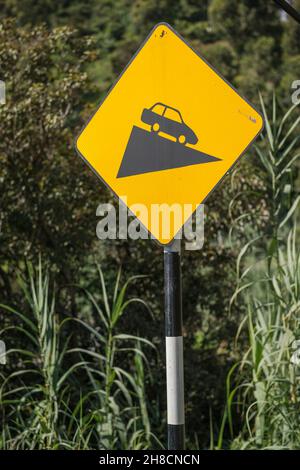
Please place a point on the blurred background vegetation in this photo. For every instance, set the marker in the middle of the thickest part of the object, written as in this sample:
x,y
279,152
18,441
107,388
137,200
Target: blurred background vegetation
x,y
85,335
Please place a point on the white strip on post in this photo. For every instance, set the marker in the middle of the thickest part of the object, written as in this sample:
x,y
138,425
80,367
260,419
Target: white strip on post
x,y
175,382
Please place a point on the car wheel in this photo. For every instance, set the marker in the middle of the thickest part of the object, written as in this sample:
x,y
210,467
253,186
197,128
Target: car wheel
x,y
155,127
181,139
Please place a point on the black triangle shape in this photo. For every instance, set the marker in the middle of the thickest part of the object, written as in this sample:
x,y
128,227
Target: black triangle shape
x,y
147,152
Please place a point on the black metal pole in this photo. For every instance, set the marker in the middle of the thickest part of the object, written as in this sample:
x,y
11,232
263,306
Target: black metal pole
x,y
174,346
288,8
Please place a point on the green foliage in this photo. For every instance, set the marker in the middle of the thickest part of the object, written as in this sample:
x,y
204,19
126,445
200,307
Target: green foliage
x,y
43,406
43,204
269,389
245,21
291,40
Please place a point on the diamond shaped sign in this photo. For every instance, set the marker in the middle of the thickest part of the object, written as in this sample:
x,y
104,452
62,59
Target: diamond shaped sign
x,y
168,131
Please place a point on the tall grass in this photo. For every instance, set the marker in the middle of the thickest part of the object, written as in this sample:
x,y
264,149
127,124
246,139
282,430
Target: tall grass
x,y
58,396
120,422
267,394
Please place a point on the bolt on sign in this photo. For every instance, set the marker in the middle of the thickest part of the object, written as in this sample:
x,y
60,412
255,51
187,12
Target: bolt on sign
x,y
168,131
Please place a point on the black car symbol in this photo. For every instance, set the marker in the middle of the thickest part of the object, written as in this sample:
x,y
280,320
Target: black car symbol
x,y
163,118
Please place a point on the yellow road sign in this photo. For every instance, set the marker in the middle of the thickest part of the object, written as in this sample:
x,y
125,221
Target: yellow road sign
x,y
168,131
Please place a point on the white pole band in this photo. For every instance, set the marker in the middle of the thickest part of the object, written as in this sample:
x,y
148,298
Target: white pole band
x,y
175,385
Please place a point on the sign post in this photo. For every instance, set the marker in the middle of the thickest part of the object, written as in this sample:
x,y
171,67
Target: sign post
x,y
166,134
174,346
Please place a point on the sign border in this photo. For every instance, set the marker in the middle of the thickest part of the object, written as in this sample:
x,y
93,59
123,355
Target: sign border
x,y
163,23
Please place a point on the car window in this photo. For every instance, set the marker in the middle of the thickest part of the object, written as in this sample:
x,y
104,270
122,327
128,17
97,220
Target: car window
x,y
172,114
158,109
